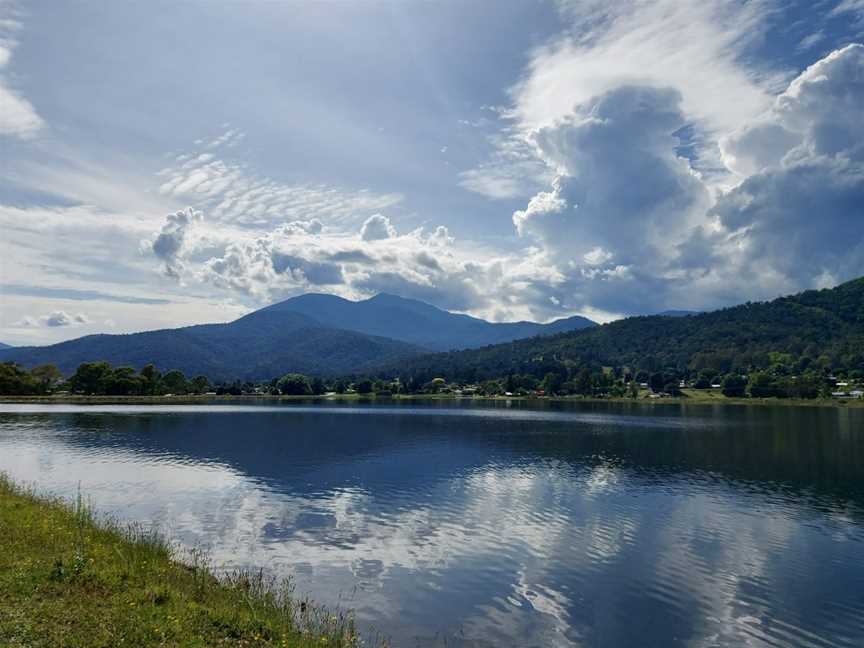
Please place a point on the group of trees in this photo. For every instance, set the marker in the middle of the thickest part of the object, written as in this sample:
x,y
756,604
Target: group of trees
x,y
98,378
295,384
16,381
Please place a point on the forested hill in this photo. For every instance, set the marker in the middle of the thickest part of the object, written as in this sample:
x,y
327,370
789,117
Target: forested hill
x,y
821,329
259,346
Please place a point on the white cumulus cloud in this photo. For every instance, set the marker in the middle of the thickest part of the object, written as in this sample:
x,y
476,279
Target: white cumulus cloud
x,y
377,228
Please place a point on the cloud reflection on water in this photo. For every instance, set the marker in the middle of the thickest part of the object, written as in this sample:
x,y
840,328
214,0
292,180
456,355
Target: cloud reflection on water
x,y
493,528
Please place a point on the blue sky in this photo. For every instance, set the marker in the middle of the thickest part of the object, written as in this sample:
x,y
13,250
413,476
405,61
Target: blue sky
x,y
175,163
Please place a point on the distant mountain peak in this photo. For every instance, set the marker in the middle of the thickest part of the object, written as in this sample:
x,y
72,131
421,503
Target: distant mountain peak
x,y
416,322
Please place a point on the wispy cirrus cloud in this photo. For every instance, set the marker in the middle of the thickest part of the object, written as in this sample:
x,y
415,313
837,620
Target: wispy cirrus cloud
x,y
18,117
76,294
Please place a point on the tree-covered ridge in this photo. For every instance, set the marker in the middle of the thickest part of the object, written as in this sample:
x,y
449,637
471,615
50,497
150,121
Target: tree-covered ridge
x,y
258,346
817,331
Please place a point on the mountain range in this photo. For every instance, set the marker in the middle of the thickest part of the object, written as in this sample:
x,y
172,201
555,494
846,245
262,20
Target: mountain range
x,y
416,322
312,334
818,329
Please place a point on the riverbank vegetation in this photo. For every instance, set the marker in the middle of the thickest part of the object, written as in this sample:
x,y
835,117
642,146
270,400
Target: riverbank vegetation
x,y
554,379
68,579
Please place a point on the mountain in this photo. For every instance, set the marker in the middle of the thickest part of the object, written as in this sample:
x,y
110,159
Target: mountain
x,y
821,329
312,334
261,345
416,322
5,346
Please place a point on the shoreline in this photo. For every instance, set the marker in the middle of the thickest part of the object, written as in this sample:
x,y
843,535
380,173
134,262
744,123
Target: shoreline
x,y
68,577
690,397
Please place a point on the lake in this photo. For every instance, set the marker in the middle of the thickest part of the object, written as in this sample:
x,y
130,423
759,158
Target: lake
x,y
497,524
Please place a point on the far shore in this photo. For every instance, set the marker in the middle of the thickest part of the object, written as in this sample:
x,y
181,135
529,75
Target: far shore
x,y
688,397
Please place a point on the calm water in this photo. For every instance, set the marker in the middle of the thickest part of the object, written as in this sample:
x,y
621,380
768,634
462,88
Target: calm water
x,y
498,526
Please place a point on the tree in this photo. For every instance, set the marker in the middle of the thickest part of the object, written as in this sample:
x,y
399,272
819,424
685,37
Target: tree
x,y
804,386
762,385
199,385
174,382
14,381
552,383
734,386
491,388
46,377
317,385
672,388
584,384
657,381
363,386
90,378
294,384
152,377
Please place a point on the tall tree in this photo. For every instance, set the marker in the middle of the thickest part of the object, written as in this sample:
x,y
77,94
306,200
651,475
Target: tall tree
x,y
90,378
46,377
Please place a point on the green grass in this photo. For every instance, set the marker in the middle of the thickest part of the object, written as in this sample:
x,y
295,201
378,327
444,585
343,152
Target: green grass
x,y
67,579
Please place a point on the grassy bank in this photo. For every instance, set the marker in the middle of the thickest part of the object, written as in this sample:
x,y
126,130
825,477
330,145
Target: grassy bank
x,y
688,397
69,580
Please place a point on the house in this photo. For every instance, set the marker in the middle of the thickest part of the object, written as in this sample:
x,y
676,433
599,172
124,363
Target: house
x,y
856,393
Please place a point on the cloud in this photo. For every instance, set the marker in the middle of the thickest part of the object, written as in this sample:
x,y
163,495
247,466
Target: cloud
x,y
702,50
54,319
18,118
377,228
293,259
514,169
628,222
169,245
695,47
318,273
620,186
230,193
802,210
77,294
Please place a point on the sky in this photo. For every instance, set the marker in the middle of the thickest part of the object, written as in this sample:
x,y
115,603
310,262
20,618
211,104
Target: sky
x,y
165,164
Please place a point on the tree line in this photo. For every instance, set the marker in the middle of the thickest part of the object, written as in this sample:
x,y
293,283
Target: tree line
x,y
98,379
778,380
102,379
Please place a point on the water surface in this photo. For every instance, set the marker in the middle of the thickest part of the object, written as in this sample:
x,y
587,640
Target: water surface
x,y
500,525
